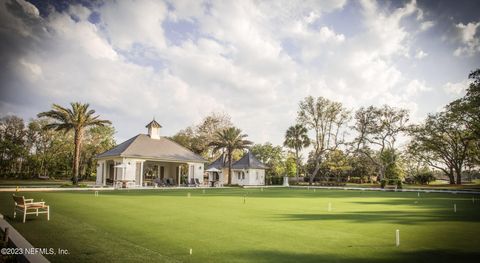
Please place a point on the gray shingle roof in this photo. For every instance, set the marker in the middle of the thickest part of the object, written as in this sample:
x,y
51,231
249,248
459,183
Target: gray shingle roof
x,y
154,124
248,161
142,146
219,163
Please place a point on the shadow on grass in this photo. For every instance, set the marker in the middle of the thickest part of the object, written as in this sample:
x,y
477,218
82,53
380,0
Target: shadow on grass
x,y
411,256
398,217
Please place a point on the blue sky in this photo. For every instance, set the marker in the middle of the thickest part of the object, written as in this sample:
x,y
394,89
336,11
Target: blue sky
x,y
254,60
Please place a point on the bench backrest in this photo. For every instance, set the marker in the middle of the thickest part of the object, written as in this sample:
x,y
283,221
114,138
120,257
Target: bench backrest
x,y
19,200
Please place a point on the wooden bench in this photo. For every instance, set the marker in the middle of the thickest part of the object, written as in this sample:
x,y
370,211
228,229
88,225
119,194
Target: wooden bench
x,y
28,207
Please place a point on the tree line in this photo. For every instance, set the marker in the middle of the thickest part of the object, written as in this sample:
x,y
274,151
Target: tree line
x,y
361,145
60,143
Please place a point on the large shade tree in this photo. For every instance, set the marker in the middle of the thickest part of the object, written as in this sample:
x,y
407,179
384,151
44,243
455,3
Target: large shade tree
x,y
77,119
296,138
230,139
326,119
378,129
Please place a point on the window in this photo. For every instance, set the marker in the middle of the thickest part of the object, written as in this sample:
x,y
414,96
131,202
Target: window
x,y
243,176
238,176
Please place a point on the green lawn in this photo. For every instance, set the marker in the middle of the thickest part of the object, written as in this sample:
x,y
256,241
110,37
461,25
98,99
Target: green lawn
x,y
276,225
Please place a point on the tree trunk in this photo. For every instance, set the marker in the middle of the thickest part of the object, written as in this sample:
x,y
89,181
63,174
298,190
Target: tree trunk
x,y
229,167
458,172
450,176
76,157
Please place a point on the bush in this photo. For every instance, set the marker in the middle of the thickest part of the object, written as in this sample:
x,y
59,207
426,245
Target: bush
x,y
383,183
424,177
399,184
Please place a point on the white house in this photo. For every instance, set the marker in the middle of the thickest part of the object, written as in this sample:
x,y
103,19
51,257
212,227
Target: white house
x,y
246,171
148,159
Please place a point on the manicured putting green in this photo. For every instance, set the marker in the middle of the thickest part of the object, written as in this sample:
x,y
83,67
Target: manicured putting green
x,y
250,225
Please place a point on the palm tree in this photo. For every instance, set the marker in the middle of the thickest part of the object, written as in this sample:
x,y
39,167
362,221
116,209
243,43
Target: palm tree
x,y
296,138
78,119
229,139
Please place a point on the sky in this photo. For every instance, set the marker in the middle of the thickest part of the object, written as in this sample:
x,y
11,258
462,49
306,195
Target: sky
x,y
179,61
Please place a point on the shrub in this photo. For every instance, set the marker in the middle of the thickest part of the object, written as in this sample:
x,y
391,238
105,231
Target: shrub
x,y
424,177
399,184
383,183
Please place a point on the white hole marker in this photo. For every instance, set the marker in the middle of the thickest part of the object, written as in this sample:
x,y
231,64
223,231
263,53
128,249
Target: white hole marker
x,y
397,238
191,251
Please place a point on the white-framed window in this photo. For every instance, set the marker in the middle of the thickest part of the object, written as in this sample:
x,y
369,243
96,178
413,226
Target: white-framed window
x,y
243,176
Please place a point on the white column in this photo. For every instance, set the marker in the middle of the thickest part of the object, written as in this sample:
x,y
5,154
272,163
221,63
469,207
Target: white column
x,y
179,174
141,173
104,173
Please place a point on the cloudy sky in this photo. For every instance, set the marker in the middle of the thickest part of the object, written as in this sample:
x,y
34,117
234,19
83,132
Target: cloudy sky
x,y
255,60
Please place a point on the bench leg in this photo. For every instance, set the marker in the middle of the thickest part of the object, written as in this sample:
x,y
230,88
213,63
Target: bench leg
x,y
24,215
48,213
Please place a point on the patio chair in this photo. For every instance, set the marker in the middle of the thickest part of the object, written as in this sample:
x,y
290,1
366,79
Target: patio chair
x,y
197,182
28,207
164,181
192,182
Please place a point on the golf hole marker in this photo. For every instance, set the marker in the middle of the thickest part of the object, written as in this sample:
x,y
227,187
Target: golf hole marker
x,y
397,238
191,251
329,207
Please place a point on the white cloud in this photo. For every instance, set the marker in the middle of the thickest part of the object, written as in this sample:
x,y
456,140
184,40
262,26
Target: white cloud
x,y
456,88
469,39
133,22
237,62
424,26
420,54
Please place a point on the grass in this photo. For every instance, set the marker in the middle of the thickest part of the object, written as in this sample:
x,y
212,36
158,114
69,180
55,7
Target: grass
x,y
274,225
7,183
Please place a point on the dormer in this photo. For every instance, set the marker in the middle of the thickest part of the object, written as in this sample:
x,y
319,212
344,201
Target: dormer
x,y
154,129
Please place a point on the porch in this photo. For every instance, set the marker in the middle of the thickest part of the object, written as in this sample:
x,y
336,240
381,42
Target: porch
x,y
129,173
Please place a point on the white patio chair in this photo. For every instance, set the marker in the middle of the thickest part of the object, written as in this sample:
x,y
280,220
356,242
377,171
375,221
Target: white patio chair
x,y
24,206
